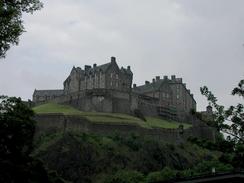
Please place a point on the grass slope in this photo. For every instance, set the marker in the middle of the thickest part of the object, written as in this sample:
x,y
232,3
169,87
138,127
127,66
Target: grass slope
x,y
98,117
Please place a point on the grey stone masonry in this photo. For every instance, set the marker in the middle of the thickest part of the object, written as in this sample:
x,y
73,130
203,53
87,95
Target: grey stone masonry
x,y
108,88
107,76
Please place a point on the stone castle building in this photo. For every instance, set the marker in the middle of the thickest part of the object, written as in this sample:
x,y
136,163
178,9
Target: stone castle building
x,y
108,88
106,76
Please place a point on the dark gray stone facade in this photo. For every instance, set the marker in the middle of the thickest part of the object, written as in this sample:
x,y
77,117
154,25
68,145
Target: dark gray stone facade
x,y
108,88
170,96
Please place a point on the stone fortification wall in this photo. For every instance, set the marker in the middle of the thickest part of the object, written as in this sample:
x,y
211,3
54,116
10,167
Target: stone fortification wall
x,y
147,105
59,122
98,100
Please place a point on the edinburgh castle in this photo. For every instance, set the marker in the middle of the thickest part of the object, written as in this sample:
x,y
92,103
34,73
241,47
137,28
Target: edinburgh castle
x,y
108,88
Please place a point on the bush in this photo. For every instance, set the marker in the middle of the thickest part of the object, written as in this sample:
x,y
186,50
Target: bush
x,y
164,175
126,176
206,167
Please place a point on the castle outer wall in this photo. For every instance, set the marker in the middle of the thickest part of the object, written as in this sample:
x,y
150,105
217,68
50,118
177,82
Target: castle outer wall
x,y
49,123
108,88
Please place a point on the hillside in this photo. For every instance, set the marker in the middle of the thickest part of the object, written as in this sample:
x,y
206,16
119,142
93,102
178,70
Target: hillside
x,y
97,117
80,157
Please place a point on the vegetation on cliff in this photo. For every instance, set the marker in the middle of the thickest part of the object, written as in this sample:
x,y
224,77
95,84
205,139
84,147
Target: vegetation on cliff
x,y
105,159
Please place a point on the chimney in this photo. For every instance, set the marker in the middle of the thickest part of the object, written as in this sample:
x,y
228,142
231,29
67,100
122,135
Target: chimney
x,y
153,80
173,77
94,65
189,91
157,78
87,67
113,59
184,85
192,95
128,67
165,77
147,82
179,80
134,85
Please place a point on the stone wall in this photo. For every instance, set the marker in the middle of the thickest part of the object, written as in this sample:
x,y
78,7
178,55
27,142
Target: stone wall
x,y
98,100
59,122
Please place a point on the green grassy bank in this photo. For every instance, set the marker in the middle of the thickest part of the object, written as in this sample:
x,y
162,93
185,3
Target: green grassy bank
x,y
98,117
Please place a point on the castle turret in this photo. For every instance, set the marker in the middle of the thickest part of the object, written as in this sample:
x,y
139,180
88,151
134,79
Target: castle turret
x,y
113,59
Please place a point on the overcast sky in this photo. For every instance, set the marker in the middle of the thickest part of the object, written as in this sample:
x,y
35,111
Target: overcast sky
x,y
198,40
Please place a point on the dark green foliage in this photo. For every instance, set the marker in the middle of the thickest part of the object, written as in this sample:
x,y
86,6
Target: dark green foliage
x,y
92,158
220,145
160,176
231,122
238,159
16,136
11,24
126,176
16,128
239,90
205,167
234,115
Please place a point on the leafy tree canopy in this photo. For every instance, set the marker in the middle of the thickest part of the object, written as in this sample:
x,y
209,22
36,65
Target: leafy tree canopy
x,y
17,129
11,23
230,120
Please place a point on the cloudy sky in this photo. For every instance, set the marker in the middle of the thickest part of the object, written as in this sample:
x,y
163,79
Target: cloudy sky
x,y
198,40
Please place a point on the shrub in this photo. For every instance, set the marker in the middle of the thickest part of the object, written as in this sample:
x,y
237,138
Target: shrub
x,y
206,167
164,175
126,176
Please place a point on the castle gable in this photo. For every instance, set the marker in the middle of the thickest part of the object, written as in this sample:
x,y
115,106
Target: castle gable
x,y
101,68
91,70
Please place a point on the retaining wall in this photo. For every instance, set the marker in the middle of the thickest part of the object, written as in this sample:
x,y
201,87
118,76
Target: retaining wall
x,y
58,122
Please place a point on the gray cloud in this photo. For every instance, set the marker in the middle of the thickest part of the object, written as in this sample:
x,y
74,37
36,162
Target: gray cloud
x,y
200,41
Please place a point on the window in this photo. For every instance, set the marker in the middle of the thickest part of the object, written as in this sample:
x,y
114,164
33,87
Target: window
x,y
111,84
111,75
117,84
177,96
162,94
117,76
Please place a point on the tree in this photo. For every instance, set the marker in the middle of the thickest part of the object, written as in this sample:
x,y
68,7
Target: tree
x,y
11,23
17,129
230,120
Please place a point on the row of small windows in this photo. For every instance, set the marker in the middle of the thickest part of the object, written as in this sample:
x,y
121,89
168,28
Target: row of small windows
x,y
116,75
116,84
165,95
